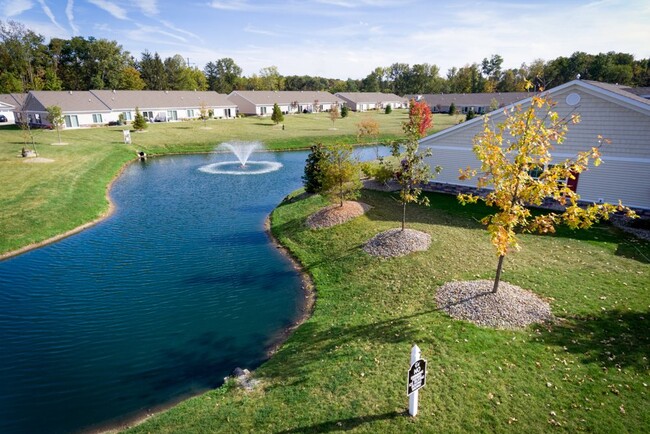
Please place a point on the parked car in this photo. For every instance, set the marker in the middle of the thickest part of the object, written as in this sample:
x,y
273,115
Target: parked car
x,y
3,118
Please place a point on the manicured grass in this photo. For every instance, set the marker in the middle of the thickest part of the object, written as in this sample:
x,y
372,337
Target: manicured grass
x,y
345,367
38,201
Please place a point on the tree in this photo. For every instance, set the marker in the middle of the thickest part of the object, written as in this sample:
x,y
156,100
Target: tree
x,y
312,179
139,124
339,174
515,161
345,110
367,128
494,105
203,112
413,171
470,115
452,109
55,117
389,109
334,113
277,115
152,71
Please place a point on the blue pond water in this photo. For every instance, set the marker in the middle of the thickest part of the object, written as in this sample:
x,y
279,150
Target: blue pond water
x,y
159,302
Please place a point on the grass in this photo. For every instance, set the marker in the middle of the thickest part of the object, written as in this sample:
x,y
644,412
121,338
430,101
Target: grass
x,y
345,367
39,201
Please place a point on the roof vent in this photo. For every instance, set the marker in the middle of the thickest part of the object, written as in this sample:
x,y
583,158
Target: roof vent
x,y
578,77
113,90
70,92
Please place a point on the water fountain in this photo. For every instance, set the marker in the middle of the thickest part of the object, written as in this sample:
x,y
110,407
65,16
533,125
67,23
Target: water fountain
x,y
243,151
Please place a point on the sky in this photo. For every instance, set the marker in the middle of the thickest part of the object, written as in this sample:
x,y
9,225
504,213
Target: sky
x,y
346,38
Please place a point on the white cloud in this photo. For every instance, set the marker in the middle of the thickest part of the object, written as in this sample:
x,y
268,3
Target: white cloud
x,y
69,12
231,5
11,8
171,26
148,7
113,9
50,15
250,29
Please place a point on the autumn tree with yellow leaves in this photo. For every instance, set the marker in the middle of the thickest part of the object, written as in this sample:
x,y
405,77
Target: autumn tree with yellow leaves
x,y
517,165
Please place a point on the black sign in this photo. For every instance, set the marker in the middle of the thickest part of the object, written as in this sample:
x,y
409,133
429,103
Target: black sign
x,y
417,376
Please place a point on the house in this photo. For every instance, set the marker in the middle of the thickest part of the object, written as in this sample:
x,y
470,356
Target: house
x,y
10,103
100,107
260,102
479,103
363,101
166,105
79,108
605,109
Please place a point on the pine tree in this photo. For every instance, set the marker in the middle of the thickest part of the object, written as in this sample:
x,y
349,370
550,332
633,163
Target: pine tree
x,y
277,115
312,177
139,124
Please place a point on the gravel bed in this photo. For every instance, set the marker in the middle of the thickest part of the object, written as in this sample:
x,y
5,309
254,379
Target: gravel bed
x,y
623,223
335,214
397,242
510,308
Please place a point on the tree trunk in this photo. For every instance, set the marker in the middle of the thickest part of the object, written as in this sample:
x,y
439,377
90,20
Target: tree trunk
x,y
497,278
403,215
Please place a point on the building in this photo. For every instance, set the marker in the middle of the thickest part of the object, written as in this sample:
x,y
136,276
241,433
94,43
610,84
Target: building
x,y
364,101
11,103
260,102
101,107
607,110
479,103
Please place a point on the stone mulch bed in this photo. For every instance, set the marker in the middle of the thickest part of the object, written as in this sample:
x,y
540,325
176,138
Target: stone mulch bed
x,y
336,214
510,308
397,242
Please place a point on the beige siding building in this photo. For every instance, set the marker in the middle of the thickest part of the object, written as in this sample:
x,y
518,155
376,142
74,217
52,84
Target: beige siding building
x,y
364,101
260,102
606,110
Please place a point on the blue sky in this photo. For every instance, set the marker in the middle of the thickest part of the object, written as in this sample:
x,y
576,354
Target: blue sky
x,y
346,38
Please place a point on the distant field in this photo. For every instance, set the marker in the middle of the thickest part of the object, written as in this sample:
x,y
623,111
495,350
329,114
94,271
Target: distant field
x,y
41,200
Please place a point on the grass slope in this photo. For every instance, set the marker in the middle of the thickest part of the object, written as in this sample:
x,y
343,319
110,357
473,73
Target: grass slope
x,y
345,368
39,201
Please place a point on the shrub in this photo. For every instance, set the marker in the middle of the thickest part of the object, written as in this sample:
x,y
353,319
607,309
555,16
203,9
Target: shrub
x,y
452,109
388,110
139,124
344,111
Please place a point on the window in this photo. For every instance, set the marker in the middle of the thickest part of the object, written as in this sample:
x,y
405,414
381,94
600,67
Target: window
x,y
172,115
190,113
535,172
37,118
97,118
71,121
127,116
262,110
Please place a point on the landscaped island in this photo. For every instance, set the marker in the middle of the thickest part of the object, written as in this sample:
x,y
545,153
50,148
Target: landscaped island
x,y
345,368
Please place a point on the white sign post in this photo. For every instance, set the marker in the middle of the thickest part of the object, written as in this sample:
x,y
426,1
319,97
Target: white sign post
x,y
416,379
127,136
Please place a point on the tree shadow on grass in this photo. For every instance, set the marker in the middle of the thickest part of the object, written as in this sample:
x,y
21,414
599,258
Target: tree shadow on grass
x,y
312,342
342,424
615,339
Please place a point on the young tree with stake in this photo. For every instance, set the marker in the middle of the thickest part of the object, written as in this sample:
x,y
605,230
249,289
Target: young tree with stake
x,y
55,117
511,154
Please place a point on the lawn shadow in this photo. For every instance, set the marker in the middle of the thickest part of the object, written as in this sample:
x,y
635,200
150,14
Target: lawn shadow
x,y
615,339
314,341
342,424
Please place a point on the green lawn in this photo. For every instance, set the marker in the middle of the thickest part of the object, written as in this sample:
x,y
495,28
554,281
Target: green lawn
x,y
345,367
39,201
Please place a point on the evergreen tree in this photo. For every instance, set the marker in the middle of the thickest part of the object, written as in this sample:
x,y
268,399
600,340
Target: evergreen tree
x,y
139,124
452,109
312,177
277,115
345,111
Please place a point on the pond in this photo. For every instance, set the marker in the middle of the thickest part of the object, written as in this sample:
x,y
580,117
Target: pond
x,y
159,302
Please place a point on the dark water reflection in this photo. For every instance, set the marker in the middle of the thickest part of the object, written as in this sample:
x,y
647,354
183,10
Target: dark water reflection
x,y
160,301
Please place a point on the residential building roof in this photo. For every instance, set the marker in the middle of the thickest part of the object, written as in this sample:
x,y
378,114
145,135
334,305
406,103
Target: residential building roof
x,y
145,99
78,101
15,100
625,91
268,97
470,99
370,97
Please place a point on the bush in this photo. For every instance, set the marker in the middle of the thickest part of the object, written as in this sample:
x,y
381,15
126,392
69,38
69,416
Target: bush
x,y
344,111
139,123
388,109
452,109
470,115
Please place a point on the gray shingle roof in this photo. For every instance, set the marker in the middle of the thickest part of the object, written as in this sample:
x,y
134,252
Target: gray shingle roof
x,y
70,101
626,91
160,99
471,99
370,97
267,97
15,100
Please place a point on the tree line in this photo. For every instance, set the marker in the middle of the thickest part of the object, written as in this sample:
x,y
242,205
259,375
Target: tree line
x,y
27,62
